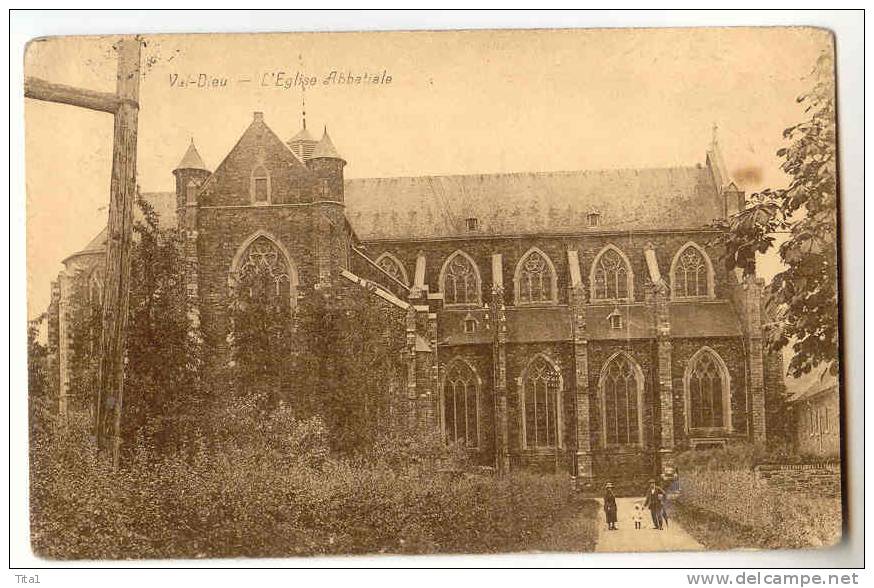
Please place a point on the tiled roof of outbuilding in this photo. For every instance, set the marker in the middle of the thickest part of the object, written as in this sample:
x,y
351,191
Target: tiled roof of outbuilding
x,y
525,203
810,385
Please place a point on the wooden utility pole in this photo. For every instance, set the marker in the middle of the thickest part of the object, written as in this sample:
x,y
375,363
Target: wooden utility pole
x,y
116,291
124,104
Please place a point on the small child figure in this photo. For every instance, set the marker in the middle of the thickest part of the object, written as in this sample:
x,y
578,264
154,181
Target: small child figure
x,y
637,515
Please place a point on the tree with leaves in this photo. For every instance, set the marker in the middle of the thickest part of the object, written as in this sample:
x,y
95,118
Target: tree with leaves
x,y
336,356
352,354
162,368
161,348
40,398
802,300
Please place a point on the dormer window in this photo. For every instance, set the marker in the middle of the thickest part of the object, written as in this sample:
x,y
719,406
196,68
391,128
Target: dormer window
x,y
472,223
260,185
594,218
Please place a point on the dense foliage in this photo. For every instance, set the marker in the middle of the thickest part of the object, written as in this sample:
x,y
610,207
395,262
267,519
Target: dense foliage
x,y
728,507
276,491
338,356
803,298
41,401
297,444
161,360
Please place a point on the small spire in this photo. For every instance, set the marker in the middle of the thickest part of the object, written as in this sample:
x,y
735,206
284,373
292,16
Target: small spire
x,y
303,106
191,159
303,95
714,140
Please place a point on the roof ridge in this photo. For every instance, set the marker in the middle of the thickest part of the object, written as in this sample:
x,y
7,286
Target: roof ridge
x,y
537,173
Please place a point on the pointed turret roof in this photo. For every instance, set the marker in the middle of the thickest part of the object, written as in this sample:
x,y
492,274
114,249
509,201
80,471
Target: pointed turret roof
x,y
191,159
302,135
303,144
325,148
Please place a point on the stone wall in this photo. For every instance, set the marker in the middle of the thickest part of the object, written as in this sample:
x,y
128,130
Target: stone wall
x,y
812,479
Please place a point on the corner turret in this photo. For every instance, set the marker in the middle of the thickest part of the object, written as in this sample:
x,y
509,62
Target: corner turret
x,y
327,165
190,174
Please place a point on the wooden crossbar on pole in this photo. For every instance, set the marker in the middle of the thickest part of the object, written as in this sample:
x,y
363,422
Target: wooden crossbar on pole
x,y
124,105
42,90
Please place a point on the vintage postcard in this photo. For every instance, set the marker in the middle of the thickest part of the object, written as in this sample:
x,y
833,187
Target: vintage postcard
x,y
459,292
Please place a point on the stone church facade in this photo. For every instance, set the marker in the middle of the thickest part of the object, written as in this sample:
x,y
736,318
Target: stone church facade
x,y
573,321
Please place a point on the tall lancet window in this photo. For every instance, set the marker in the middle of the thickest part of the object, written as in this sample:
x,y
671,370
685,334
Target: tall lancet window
x,y
621,390
460,280
535,279
707,391
460,406
263,273
541,388
260,185
611,276
691,273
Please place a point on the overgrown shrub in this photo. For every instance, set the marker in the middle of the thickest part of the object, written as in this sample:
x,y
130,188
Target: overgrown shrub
x,y
269,488
762,516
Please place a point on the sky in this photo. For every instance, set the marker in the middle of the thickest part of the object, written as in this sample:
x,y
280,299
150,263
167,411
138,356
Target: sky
x,y
458,102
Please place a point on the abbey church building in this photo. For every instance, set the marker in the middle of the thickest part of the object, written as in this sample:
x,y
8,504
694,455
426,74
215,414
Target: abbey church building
x,y
577,321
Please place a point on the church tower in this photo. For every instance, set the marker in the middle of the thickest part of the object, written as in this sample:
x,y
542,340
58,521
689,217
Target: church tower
x,y
329,217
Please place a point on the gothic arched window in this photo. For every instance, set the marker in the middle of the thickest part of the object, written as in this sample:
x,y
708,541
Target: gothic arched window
x,y
460,404
460,281
691,273
621,390
541,393
611,276
262,272
393,267
260,185
707,391
535,279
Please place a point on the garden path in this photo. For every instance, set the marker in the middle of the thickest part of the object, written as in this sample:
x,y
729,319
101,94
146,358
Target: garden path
x,y
627,538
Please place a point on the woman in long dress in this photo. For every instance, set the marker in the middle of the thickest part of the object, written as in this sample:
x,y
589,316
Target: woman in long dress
x,y
610,506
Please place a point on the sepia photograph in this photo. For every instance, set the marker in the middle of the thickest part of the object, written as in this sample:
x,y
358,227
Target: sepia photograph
x,y
457,292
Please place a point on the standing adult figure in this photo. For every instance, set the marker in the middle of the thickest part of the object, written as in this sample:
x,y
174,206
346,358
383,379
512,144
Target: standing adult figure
x,y
610,506
655,498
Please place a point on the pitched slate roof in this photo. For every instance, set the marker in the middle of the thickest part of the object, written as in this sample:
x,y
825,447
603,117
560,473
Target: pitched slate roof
x,y
164,204
428,207
525,203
